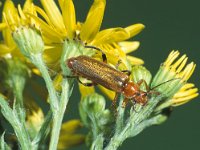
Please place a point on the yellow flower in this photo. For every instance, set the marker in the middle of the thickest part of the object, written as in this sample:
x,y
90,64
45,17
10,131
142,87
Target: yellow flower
x,y
68,136
172,78
58,26
13,17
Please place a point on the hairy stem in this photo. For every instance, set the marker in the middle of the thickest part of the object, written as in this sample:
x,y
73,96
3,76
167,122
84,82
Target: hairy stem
x,y
135,124
38,61
58,115
19,128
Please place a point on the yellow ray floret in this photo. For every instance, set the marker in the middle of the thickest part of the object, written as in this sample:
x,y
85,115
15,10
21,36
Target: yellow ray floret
x,y
56,26
179,66
184,95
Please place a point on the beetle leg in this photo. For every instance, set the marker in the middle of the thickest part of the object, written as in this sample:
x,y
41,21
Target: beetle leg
x,y
125,102
77,77
127,71
145,83
134,102
118,63
85,84
64,76
104,58
114,104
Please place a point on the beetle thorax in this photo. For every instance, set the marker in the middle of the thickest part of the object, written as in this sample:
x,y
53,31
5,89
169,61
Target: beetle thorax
x,y
130,89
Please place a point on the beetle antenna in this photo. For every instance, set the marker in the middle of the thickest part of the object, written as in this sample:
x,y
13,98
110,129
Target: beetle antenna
x,y
165,82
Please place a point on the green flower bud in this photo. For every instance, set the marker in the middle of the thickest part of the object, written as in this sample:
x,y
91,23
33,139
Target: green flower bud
x,y
28,40
161,119
140,72
94,103
91,106
105,117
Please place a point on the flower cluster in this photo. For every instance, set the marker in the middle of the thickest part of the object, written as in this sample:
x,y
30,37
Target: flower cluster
x,y
36,43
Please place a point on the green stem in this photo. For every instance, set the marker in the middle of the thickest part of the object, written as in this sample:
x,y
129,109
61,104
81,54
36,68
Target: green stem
x,y
117,140
14,120
147,123
58,115
38,61
98,143
134,121
58,108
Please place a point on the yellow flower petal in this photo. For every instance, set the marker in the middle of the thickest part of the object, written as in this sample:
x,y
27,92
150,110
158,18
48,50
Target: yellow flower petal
x,y
71,126
68,136
57,82
35,119
10,17
10,12
187,86
134,29
85,90
135,60
170,59
2,26
52,56
187,72
69,17
109,93
36,71
28,5
60,2
8,40
43,14
4,49
129,46
182,65
47,30
185,93
69,140
93,21
178,62
110,35
54,14
183,100
23,18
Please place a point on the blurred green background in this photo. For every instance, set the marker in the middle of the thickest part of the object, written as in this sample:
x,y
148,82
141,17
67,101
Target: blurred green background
x,y
171,24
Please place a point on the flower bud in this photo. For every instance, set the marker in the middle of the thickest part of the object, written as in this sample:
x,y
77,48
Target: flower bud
x,y
140,72
28,40
172,74
91,105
